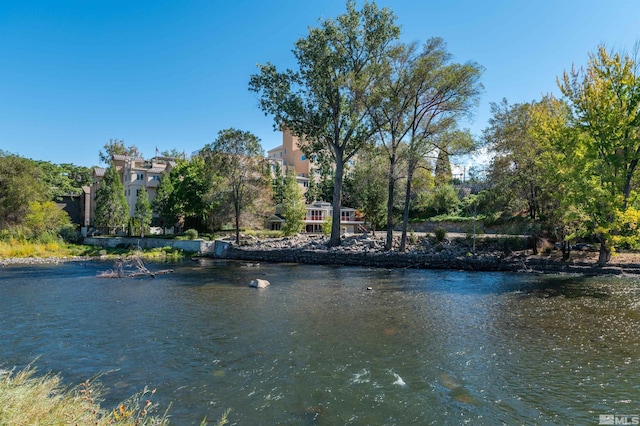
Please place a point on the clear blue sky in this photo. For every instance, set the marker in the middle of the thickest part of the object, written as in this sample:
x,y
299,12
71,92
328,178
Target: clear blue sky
x,y
171,74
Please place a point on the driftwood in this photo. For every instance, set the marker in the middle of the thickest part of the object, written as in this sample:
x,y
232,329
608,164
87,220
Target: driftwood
x,y
130,267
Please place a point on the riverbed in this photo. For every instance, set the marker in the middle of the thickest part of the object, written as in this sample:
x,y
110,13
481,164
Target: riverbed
x,y
318,347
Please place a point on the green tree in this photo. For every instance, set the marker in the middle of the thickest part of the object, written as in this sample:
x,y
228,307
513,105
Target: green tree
x,y
293,208
605,103
20,184
278,183
238,157
143,212
323,102
369,187
162,203
192,200
443,174
117,147
45,218
63,179
112,210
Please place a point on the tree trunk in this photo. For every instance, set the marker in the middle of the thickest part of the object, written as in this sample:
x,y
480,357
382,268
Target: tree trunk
x,y
237,214
405,212
392,165
605,254
334,240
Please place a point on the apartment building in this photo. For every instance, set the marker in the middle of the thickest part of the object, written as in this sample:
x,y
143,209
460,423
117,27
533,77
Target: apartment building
x,y
135,173
317,214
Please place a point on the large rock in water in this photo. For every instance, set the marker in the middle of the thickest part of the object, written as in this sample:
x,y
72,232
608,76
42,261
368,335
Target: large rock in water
x,y
258,283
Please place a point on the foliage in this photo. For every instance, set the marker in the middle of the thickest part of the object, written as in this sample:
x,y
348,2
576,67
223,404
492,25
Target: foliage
x,y
143,212
605,145
278,183
45,217
237,157
63,179
293,208
192,198
440,234
323,101
20,184
443,200
369,189
162,202
326,226
117,147
192,234
112,210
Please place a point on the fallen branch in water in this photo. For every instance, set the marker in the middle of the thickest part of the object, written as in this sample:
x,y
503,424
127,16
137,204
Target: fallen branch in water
x,y
130,267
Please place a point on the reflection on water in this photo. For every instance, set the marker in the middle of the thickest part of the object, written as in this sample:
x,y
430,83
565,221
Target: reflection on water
x,y
424,347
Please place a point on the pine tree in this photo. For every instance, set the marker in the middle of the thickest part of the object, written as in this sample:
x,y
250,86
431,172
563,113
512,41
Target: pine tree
x,y
143,212
162,203
112,210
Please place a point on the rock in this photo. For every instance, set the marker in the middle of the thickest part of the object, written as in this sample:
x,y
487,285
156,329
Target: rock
x,y
258,283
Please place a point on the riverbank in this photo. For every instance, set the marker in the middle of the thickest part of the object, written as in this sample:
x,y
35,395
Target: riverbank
x,y
491,254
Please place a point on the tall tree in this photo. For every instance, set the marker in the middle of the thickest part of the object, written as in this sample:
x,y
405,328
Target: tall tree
x,y
162,203
443,175
293,208
605,101
370,187
20,184
323,102
112,210
143,212
192,199
238,158
117,147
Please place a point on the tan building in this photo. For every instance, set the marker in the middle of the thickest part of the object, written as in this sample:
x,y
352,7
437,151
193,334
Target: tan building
x,y
317,214
135,173
290,157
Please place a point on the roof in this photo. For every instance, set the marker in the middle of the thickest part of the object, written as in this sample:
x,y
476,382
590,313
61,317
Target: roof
x,y
99,171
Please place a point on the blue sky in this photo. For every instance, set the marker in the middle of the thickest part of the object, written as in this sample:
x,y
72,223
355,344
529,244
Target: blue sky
x,y
171,74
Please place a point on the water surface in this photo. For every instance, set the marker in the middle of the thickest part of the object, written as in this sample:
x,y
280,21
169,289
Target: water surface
x,y
316,347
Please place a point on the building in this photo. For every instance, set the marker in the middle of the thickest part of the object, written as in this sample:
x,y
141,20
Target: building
x,y
320,212
289,156
135,173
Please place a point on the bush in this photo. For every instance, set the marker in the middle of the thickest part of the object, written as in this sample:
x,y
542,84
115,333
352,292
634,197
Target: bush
x,y
441,234
192,234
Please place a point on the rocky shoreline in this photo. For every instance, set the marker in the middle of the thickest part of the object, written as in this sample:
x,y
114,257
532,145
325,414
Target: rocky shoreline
x,y
492,254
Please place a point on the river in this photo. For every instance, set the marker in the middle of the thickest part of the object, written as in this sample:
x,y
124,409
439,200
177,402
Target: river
x,y
317,347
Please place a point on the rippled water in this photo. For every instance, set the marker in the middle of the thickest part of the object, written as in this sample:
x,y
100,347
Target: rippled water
x,y
424,347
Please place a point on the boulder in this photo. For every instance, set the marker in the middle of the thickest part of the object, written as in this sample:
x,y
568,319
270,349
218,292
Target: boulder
x,y
258,283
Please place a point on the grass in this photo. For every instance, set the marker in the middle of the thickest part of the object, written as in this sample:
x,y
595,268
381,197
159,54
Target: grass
x,y
15,248
27,399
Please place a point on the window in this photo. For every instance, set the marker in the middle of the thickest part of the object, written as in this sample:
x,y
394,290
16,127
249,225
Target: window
x,y
305,183
304,157
140,176
155,177
138,192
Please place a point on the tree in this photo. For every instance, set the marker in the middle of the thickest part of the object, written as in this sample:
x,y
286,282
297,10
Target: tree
x,y
605,103
20,184
278,183
238,158
293,208
443,174
323,102
162,203
112,210
45,217
143,212
369,190
117,147
63,179
193,200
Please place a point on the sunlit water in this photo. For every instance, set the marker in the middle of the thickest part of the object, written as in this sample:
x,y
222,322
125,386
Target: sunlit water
x,y
316,347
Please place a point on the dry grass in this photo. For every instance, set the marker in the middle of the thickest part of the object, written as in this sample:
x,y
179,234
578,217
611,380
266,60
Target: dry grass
x,y
26,399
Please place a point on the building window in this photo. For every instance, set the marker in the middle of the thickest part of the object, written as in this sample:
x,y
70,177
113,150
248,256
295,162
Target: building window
x,y
138,192
140,176
155,177
305,184
304,157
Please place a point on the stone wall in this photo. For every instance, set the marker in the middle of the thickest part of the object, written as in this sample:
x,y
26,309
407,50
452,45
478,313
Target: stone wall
x,y
189,246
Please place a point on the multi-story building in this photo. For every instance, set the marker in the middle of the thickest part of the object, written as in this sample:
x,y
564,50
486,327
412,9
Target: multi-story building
x,y
320,212
290,157
135,173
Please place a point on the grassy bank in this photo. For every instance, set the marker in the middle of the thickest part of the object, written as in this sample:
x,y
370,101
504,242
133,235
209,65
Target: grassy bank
x,y
15,248
29,399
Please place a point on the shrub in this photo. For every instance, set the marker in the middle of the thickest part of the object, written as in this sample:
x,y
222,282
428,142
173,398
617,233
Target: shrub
x,y
441,234
192,234
326,226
